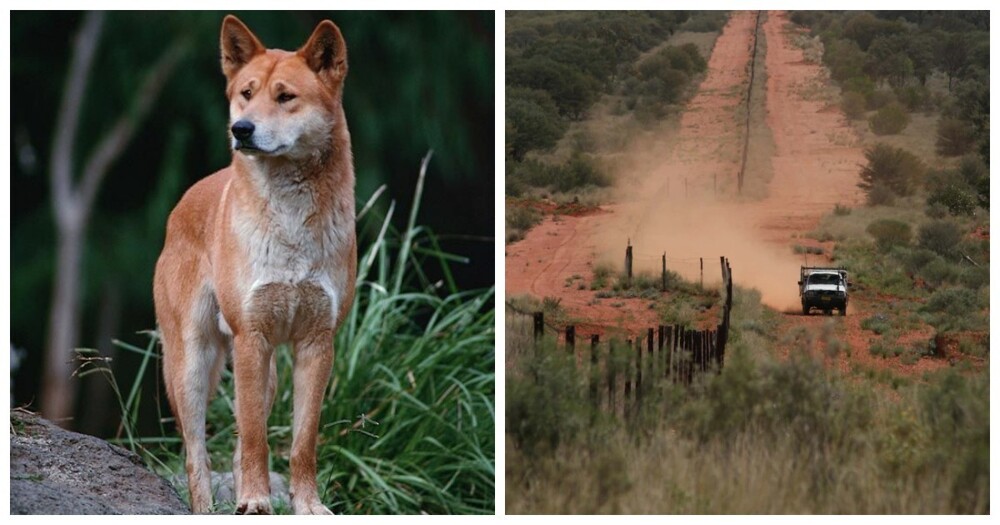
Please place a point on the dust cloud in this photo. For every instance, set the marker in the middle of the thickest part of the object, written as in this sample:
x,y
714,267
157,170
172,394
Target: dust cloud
x,y
670,199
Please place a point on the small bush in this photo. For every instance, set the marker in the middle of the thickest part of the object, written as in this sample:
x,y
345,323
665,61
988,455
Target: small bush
x,y
888,233
523,217
580,171
953,309
890,120
914,98
878,323
975,277
939,237
878,99
954,137
913,260
542,414
938,273
881,195
954,198
841,210
853,104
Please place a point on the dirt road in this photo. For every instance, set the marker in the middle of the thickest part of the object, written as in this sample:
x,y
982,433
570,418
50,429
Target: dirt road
x,y
682,199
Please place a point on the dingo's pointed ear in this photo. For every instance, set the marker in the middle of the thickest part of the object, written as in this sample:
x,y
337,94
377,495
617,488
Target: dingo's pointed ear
x,y
238,44
325,51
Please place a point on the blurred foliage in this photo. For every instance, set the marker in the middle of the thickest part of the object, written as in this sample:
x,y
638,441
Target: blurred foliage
x,y
417,81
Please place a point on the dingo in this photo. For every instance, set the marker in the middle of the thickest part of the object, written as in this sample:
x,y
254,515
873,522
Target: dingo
x,y
259,254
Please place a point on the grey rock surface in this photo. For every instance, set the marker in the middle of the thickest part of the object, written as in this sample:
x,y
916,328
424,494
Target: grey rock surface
x,y
55,471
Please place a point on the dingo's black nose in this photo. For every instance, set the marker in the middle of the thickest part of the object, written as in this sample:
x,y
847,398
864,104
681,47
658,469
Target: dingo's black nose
x,y
242,129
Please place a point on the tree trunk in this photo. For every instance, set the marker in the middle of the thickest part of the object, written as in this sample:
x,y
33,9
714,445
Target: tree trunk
x,y
64,326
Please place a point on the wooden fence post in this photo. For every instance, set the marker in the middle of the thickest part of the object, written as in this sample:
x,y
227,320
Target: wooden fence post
x,y
663,284
628,264
701,266
571,339
539,325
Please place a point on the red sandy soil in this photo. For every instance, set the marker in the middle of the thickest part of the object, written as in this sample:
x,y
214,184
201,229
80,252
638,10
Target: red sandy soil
x,y
674,204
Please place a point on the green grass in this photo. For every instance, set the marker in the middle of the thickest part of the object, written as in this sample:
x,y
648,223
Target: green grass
x,y
408,422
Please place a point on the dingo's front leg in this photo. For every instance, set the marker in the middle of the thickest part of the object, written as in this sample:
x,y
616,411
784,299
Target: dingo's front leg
x,y
313,364
251,357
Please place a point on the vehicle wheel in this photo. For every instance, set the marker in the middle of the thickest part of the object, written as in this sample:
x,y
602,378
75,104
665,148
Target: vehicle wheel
x,y
843,310
805,310
827,312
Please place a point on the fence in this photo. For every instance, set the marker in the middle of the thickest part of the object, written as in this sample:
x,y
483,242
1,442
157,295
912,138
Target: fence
x,y
619,374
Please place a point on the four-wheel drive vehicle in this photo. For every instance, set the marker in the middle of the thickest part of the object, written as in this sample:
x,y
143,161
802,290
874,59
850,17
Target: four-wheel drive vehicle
x,y
824,289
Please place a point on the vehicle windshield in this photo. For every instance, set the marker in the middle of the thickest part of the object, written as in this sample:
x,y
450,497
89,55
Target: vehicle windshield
x,y
824,278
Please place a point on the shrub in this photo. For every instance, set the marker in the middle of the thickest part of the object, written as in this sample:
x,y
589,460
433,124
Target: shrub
x,y
954,198
840,210
939,236
889,120
890,169
532,121
578,172
975,277
878,323
913,97
938,273
954,137
519,220
913,260
853,104
542,414
881,195
860,84
879,99
889,233
953,309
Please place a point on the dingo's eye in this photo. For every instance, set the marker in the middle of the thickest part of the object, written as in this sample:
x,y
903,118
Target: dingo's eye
x,y
285,97
246,94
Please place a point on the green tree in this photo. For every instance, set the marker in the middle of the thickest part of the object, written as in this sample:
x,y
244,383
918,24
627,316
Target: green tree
x,y
572,90
890,169
953,56
954,137
533,121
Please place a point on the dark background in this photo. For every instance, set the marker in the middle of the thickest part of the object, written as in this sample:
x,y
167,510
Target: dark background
x,y
417,81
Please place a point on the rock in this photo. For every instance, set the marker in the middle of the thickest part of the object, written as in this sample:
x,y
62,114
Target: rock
x,y
55,471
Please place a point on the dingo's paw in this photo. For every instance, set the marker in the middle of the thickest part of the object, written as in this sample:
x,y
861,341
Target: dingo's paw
x,y
260,505
312,506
